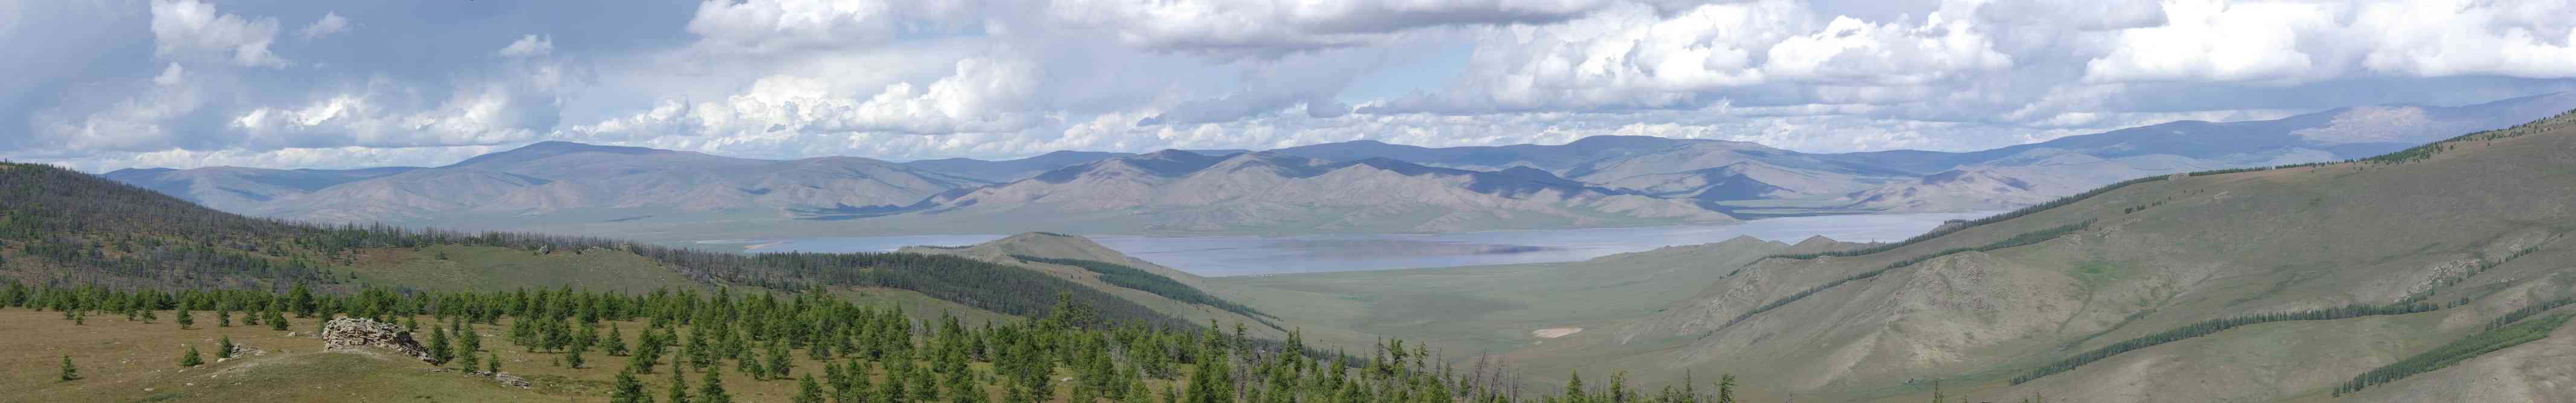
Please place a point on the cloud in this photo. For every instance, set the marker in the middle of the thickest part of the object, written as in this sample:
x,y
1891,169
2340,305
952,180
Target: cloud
x,y
2216,41
188,82
191,30
770,26
2433,38
528,46
981,96
1269,28
172,75
331,23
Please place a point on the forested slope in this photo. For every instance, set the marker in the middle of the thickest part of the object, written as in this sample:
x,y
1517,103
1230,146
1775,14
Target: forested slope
x,y
67,228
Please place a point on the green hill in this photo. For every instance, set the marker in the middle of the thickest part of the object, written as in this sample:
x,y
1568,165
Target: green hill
x,y
66,228
2287,283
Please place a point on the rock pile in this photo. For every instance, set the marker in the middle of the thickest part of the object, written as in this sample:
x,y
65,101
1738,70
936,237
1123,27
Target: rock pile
x,y
362,332
507,379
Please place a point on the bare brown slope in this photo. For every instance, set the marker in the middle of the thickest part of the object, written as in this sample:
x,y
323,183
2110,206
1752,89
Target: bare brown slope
x,y
2203,247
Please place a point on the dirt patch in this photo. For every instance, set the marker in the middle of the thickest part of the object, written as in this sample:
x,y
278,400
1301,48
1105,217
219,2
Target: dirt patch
x,y
1551,333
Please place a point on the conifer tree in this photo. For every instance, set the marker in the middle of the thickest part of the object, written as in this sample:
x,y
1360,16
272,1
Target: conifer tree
x,y
493,361
856,389
962,389
69,373
780,364
190,359
749,364
468,361
1574,385
148,315
439,349
807,391
276,321
679,392
711,389
223,317
224,347
1726,388
572,358
628,389
467,341
616,343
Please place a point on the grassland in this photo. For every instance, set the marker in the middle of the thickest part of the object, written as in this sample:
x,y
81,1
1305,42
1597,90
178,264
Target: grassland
x,y
126,361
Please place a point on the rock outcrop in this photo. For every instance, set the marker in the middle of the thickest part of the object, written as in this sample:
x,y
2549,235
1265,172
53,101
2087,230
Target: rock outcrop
x,y
345,333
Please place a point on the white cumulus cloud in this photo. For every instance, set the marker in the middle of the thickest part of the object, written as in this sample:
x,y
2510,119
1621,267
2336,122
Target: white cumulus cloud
x,y
188,29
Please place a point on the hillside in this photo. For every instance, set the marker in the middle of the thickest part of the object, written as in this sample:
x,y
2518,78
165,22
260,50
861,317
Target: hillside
x,y
1179,192
2396,255
65,228
1170,292
558,182
668,196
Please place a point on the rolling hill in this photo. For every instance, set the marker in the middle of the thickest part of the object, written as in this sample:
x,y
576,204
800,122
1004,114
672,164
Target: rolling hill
x,y
2408,276
1598,181
66,228
1178,191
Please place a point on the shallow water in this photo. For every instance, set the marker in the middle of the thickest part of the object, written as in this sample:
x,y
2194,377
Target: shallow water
x,y
1254,255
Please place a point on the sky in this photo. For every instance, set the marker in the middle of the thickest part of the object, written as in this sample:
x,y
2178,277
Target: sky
x,y
108,84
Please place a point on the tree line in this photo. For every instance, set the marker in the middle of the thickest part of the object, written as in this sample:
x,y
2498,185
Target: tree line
x,y
1141,280
858,353
2213,326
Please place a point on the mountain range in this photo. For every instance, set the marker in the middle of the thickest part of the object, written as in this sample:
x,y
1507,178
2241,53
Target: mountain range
x,y
2438,272
1356,186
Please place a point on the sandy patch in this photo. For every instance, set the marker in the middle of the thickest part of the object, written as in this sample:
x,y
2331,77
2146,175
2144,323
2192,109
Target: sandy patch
x,y
1555,332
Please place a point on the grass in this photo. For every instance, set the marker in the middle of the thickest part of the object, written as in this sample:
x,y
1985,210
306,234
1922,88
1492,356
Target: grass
x,y
2456,351
134,361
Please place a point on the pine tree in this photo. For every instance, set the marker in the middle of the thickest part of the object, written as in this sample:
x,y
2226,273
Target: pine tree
x,y
224,347
185,318
494,361
807,391
69,373
468,361
223,317
628,389
616,341
1726,388
962,389
276,321
148,315
439,350
779,362
467,340
573,358
1574,386
679,392
711,389
190,359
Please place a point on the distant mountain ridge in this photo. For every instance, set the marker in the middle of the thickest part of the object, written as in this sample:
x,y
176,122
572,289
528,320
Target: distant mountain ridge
x,y
1594,181
1175,190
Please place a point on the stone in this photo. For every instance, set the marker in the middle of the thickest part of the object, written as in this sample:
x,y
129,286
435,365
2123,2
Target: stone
x,y
510,380
346,333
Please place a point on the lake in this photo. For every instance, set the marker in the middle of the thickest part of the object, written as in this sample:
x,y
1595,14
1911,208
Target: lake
x,y
1216,256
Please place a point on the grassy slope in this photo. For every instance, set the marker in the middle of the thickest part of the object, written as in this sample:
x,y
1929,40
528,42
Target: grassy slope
x,y
2213,246
1494,309
1070,247
119,360
2202,247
